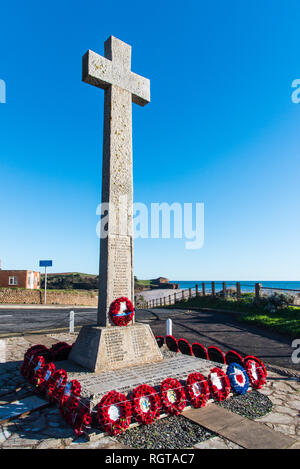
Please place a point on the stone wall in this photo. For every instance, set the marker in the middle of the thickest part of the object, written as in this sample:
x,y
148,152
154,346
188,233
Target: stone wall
x,y
54,297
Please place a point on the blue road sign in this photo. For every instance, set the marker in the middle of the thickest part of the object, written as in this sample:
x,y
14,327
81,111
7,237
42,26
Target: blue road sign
x,y
45,263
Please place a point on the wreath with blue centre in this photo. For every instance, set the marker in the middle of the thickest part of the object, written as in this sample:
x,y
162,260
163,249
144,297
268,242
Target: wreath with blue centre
x,y
238,378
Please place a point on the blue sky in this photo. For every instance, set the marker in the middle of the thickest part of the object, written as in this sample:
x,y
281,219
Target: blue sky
x,y
221,129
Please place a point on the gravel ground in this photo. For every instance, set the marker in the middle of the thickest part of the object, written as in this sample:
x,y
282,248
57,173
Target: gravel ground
x,y
168,433
252,405
179,432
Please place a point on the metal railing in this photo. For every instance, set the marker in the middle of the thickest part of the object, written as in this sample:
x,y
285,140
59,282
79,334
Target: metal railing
x,y
220,289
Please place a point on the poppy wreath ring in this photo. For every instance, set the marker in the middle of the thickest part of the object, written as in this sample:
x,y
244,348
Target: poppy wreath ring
x,y
172,396
145,404
197,389
219,384
238,378
72,391
256,373
114,412
56,384
80,420
121,318
43,375
37,364
28,358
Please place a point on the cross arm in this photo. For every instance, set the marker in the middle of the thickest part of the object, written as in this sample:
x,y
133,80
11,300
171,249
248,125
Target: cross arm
x,y
101,72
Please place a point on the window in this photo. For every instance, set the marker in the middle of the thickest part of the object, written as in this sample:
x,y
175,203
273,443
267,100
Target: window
x,y
13,281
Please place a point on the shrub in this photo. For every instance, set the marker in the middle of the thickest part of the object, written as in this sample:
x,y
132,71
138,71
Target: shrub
x,y
277,301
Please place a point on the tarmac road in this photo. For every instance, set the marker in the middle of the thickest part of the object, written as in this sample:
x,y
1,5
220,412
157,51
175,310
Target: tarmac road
x,y
206,327
224,331
22,320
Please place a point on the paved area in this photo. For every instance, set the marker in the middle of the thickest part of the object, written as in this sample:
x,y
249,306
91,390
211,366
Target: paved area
x,y
46,428
244,432
224,331
174,365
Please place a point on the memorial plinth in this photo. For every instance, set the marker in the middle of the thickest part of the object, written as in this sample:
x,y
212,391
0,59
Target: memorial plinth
x,y
101,349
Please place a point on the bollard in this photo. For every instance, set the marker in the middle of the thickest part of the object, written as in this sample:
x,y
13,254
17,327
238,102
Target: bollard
x,y
71,322
169,327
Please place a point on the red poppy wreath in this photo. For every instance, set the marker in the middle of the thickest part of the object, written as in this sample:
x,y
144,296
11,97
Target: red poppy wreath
x,y
72,391
145,404
114,412
28,358
43,375
37,364
172,396
121,311
56,385
256,373
197,390
81,420
219,384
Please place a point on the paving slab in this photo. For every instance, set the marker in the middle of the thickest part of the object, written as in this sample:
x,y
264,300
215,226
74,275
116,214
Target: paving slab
x,y
40,339
213,417
95,385
246,433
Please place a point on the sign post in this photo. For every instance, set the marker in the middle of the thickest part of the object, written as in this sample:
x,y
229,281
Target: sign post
x,y
45,264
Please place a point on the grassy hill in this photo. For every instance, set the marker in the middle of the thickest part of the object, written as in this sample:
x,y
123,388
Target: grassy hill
x,y
70,281
82,281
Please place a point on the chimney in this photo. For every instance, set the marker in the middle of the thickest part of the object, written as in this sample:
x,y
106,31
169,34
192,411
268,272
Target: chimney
x,y
0,264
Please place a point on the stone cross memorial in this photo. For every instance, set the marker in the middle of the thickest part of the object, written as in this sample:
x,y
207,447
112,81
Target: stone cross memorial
x,y
104,346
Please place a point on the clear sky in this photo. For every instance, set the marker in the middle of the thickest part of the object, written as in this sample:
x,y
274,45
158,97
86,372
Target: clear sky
x,y
221,129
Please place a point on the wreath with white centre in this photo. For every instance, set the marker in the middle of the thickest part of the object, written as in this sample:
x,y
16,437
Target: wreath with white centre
x,y
121,311
219,384
197,390
114,412
256,373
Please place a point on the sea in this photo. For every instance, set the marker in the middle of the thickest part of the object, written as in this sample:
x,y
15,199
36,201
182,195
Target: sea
x,y
246,286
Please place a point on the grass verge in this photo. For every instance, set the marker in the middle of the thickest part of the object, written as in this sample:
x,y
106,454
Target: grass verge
x,y
285,320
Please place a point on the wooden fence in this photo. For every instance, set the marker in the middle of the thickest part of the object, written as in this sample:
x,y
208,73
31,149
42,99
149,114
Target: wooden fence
x,y
210,289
